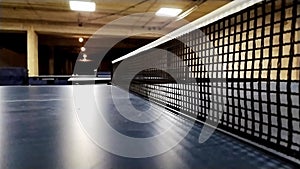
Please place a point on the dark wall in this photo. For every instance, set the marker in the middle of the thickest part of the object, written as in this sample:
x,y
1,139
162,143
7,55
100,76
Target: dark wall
x,y
13,49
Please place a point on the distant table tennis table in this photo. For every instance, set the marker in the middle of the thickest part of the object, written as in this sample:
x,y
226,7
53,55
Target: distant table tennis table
x,y
68,79
39,129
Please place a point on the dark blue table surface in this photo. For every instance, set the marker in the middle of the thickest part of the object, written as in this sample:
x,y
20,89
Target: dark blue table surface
x,y
39,129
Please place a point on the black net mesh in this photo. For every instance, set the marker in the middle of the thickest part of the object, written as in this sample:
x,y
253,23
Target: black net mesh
x,y
250,59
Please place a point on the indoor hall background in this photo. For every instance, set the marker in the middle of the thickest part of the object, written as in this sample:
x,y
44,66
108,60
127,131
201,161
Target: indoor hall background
x,y
254,67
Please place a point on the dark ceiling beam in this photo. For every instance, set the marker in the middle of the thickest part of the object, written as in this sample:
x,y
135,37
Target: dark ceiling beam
x,y
17,6
49,40
49,22
18,25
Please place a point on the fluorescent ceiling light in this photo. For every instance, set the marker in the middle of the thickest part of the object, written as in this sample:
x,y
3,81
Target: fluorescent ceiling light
x,y
169,12
82,6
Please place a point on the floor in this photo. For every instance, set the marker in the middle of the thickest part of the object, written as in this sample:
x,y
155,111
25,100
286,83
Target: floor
x,y
44,127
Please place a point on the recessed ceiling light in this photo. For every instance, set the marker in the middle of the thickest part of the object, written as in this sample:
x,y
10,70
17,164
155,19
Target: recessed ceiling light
x,y
169,12
84,58
86,6
82,49
80,39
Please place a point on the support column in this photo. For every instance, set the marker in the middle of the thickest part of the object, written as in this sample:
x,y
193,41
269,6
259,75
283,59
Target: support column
x,y
32,52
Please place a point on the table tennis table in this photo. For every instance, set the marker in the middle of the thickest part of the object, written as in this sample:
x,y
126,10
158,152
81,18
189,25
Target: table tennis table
x,y
40,129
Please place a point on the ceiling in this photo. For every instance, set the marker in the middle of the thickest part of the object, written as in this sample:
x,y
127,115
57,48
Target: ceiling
x,y
133,20
55,16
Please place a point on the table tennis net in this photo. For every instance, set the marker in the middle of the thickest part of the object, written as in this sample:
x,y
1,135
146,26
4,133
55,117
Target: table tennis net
x,y
250,60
